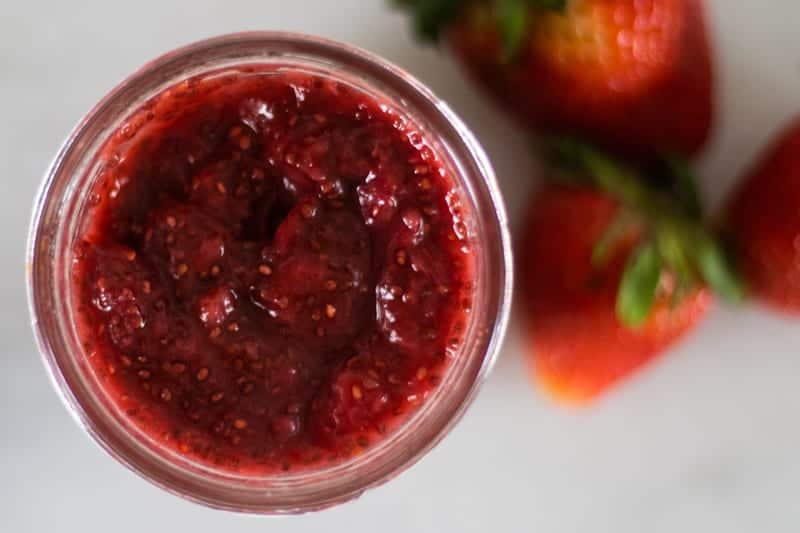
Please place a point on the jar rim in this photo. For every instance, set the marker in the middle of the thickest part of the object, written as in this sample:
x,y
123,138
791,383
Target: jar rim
x,y
47,233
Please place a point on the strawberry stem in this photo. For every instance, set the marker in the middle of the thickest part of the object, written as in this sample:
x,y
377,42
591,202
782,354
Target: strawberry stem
x,y
676,240
685,185
637,290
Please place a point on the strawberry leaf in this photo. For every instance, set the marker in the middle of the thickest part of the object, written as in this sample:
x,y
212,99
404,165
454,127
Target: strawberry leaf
x,y
612,236
677,258
513,17
432,17
512,21
717,269
683,244
637,290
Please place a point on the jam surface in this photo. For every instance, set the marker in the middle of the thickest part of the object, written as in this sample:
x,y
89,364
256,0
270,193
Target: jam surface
x,y
274,270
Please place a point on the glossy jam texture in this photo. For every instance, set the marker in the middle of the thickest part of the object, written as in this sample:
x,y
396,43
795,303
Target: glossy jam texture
x,y
274,270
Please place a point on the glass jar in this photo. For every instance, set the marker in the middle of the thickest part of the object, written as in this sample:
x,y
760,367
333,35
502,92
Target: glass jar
x,y
55,228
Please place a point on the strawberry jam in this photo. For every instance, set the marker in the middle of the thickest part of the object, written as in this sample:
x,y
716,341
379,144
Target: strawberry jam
x,y
273,272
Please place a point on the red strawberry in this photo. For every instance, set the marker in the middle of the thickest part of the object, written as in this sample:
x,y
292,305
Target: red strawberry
x,y
633,75
764,221
613,273
580,347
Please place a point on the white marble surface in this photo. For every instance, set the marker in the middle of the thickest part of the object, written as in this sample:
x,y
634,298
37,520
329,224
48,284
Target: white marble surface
x,y
707,440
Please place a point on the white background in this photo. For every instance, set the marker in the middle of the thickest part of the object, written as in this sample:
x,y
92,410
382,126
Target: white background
x,y
706,440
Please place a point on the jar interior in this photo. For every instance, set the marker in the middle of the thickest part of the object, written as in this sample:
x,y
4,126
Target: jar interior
x,y
57,226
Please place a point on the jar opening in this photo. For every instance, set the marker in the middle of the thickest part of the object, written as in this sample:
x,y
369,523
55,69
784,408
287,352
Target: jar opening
x,y
59,221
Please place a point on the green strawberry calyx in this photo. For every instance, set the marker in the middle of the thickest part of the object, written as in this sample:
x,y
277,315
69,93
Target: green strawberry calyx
x,y
676,240
510,17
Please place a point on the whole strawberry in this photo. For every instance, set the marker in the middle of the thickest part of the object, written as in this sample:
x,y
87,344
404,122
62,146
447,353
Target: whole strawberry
x,y
764,223
633,75
614,269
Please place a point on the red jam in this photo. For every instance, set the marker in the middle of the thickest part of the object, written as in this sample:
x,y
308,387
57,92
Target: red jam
x,y
274,270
